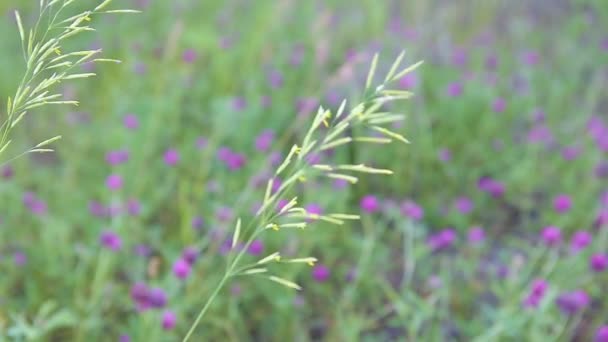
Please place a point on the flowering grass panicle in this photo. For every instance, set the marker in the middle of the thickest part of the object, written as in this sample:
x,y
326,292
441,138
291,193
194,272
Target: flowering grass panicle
x,y
328,131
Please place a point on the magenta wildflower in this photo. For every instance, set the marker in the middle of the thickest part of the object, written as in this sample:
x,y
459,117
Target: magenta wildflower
x,y
19,258
34,204
110,240
114,182
476,235
197,223
340,184
313,209
369,204
442,240
140,293
224,214
181,268
538,289
599,262
124,338
201,142
491,62
540,134
531,57
562,203
156,298
602,332
320,273
275,79
573,302
455,89
551,236
97,209
491,186
133,207
171,157
445,155
117,157
499,105
580,240
256,247
7,172
464,205
189,56
169,320
239,103
131,121
460,57
408,81
571,152
190,254
412,210
264,141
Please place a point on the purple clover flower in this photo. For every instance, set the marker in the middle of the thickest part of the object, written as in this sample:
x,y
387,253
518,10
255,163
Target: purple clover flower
x,y
580,240
599,262
110,240
114,182
131,121
169,320
256,248
562,203
442,240
476,235
320,273
601,335
551,236
171,157
369,204
538,289
573,302
181,268
412,210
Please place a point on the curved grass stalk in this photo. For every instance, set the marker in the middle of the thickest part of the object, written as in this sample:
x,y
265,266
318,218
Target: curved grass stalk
x,y
47,65
370,114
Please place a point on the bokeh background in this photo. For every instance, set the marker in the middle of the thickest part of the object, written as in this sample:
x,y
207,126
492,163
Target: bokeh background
x,y
508,131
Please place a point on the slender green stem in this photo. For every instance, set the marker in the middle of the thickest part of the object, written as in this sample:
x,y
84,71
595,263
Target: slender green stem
x,y
210,300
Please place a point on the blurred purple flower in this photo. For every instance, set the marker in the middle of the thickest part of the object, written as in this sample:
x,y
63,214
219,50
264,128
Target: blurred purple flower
x,y
540,134
171,157
408,81
476,235
169,320
7,172
464,205
562,203
571,152
114,182
131,122
320,273
190,254
275,79
19,258
97,209
124,338
117,157
599,262
538,289
499,105
551,236
455,89
442,240
601,334
580,240
531,57
197,223
133,207
264,141
181,268
110,240
256,247
445,155
369,204
189,56
412,210
239,103
573,302
157,298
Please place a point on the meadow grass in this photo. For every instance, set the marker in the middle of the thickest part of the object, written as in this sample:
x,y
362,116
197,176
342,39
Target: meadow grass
x,y
492,225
